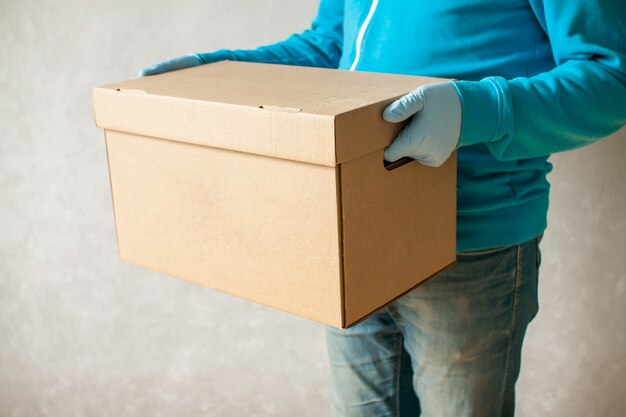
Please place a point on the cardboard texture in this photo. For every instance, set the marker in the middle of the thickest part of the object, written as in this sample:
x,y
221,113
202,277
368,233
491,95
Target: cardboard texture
x,y
267,182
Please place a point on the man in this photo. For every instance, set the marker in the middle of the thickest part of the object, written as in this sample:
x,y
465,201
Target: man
x,y
535,77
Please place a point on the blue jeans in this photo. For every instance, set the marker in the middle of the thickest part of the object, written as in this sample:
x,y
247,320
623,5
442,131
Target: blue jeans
x,y
449,347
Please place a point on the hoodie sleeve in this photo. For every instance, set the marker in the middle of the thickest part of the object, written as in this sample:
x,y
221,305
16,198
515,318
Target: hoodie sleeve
x,y
578,102
319,46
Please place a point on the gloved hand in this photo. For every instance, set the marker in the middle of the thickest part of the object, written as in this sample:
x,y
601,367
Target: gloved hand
x,y
187,61
433,133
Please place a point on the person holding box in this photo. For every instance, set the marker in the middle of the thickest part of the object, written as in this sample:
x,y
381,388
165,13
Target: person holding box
x,y
533,77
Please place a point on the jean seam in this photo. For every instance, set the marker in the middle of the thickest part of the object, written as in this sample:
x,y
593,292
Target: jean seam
x,y
514,308
397,365
538,252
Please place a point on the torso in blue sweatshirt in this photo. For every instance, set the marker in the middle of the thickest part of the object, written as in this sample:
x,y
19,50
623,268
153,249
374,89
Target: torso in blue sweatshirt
x,y
535,77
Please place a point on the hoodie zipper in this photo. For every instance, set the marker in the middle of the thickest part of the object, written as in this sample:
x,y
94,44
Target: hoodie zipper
x,y
361,35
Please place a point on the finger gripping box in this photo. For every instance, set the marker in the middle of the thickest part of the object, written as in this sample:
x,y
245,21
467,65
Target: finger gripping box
x,y
267,182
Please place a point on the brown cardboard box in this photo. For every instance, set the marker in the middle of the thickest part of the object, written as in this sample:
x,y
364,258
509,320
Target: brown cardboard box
x,y
267,182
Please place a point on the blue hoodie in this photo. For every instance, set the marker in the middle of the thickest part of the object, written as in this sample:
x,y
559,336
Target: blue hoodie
x,y
535,77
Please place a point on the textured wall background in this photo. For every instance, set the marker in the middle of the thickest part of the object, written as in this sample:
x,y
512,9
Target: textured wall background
x,y
82,334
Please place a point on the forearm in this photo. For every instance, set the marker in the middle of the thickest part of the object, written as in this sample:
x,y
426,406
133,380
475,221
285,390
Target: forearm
x,y
574,105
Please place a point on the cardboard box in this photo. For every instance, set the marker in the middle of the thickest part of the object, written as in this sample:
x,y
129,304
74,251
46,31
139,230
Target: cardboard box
x,y
267,182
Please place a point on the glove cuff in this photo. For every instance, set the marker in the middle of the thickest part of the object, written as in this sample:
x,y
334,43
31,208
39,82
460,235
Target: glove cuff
x,y
487,110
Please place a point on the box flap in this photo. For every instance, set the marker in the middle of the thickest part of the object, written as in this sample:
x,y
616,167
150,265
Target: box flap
x,y
273,110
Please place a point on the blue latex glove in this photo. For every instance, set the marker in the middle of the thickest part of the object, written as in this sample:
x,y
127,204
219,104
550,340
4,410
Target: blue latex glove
x,y
187,61
433,133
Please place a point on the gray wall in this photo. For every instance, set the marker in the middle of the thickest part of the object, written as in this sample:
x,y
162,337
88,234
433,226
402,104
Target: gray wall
x,y
83,334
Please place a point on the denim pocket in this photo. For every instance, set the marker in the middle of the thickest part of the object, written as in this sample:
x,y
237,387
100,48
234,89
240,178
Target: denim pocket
x,y
485,251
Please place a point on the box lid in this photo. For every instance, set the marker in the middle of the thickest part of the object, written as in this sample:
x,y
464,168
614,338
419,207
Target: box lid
x,y
315,115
